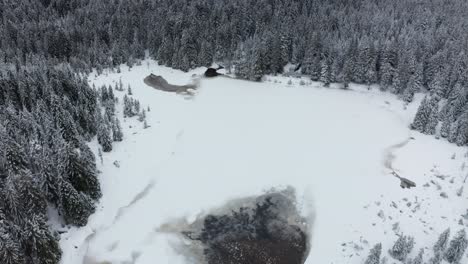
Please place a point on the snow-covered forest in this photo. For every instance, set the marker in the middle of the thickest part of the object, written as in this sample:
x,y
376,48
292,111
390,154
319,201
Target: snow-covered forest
x,y
406,46
49,112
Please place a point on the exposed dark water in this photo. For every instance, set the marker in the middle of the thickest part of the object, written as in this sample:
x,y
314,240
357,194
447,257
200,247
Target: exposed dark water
x,y
267,229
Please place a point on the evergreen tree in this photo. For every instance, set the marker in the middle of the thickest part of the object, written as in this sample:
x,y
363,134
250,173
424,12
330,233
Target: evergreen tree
x,y
325,75
418,259
402,247
456,248
462,131
10,249
442,242
142,116
453,133
128,106
75,207
82,171
437,258
374,255
129,90
422,116
104,137
116,130
39,243
445,128
433,118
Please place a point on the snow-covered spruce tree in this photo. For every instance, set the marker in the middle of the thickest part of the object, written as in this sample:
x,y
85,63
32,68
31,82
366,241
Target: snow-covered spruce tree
x,y
136,107
422,116
415,82
453,131
326,74
109,110
438,85
442,241
374,255
104,136
129,90
445,127
110,93
418,259
10,248
402,247
104,94
76,206
128,106
82,172
346,75
433,118
31,197
462,130
39,242
400,79
437,258
142,115
117,133
457,248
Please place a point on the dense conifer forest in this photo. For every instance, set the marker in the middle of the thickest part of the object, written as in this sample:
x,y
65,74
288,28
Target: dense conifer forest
x,y
48,111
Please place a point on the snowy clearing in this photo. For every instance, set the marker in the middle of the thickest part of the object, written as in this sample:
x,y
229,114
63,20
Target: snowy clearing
x,y
237,138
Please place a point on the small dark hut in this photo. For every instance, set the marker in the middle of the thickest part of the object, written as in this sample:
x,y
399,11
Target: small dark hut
x,y
212,72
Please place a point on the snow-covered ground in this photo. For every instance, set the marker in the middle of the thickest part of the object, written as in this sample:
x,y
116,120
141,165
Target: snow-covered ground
x,y
237,138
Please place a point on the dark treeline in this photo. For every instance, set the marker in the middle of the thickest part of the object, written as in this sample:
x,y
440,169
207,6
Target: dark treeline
x,y
47,111
406,46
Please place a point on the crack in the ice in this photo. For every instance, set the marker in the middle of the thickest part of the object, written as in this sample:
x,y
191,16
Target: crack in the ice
x,y
120,212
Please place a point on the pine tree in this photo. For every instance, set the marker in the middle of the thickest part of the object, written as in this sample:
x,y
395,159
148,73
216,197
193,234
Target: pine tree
x,y
39,243
128,106
32,199
10,249
103,134
136,107
374,255
445,128
402,247
442,242
116,130
75,207
100,155
453,133
437,258
110,93
433,118
325,75
422,116
347,71
82,172
462,131
129,90
104,94
386,76
456,248
418,259
414,84
142,115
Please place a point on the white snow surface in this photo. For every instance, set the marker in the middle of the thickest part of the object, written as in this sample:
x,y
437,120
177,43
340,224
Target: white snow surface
x,y
238,138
